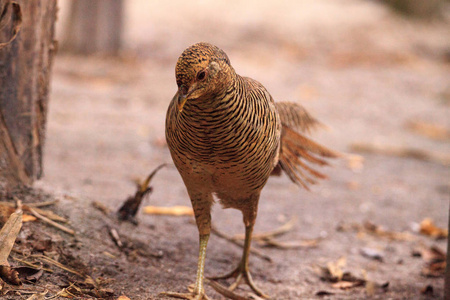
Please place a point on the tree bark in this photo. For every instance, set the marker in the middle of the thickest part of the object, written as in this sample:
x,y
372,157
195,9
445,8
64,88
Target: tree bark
x,y
94,27
447,270
25,65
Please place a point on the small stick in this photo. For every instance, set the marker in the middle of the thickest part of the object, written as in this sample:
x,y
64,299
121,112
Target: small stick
x,y
48,221
32,265
58,264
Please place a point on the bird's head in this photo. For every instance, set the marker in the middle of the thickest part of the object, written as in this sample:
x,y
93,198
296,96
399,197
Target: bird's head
x,y
202,71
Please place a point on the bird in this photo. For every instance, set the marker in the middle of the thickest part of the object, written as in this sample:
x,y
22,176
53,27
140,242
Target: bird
x,y
226,137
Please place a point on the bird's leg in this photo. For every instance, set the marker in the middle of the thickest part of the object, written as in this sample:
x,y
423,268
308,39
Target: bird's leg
x,y
243,271
202,209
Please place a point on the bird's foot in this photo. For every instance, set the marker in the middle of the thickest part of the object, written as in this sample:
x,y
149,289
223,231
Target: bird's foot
x,y
240,273
192,295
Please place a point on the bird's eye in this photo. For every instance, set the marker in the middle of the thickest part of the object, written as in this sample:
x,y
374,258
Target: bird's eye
x,y
201,75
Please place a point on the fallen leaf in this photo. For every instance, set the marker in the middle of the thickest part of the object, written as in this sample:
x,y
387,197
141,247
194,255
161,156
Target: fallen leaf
x,y
333,271
8,235
123,298
29,274
28,218
427,227
172,211
130,207
435,261
38,296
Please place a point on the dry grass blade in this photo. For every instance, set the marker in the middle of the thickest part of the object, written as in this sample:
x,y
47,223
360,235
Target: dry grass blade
x,y
32,265
56,263
50,222
26,207
8,235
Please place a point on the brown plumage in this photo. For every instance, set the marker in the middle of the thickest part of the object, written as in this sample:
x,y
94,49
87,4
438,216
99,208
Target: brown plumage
x,y
226,135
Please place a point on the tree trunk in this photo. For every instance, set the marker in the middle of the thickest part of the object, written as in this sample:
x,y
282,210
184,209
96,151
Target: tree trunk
x,y
25,65
94,27
447,270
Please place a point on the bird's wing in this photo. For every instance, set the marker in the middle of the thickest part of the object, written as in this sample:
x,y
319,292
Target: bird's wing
x,y
296,117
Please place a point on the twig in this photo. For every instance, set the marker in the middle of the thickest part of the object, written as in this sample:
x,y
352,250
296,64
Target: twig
x,y
48,221
222,235
49,214
57,264
32,265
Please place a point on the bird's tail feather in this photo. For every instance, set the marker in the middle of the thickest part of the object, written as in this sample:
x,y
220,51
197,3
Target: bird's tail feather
x,y
298,153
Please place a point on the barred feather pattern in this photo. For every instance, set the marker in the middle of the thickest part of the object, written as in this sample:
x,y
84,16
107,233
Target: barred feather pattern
x,y
230,137
228,145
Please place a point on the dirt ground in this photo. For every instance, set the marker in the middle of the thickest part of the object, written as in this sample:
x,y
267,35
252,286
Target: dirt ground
x,y
358,67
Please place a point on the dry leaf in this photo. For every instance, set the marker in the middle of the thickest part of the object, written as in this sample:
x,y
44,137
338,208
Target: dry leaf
x,y
435,261
130,207
29,274
123,298
28,218
427,227
38,296
172,211
333,271
8,235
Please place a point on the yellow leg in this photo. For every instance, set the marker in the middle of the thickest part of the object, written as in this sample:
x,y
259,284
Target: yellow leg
x,y
198,293
242,271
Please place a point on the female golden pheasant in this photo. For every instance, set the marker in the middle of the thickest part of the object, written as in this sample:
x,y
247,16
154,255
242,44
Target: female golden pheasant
x,y
226,136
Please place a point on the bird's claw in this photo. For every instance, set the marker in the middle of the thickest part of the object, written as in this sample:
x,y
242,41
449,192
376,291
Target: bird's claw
x,y
241,273
187,296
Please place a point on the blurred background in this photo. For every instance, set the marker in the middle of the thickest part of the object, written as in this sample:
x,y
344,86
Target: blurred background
x,y
375,72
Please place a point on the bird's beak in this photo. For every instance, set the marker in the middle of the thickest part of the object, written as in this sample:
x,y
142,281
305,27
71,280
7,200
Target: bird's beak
x,y
181,100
